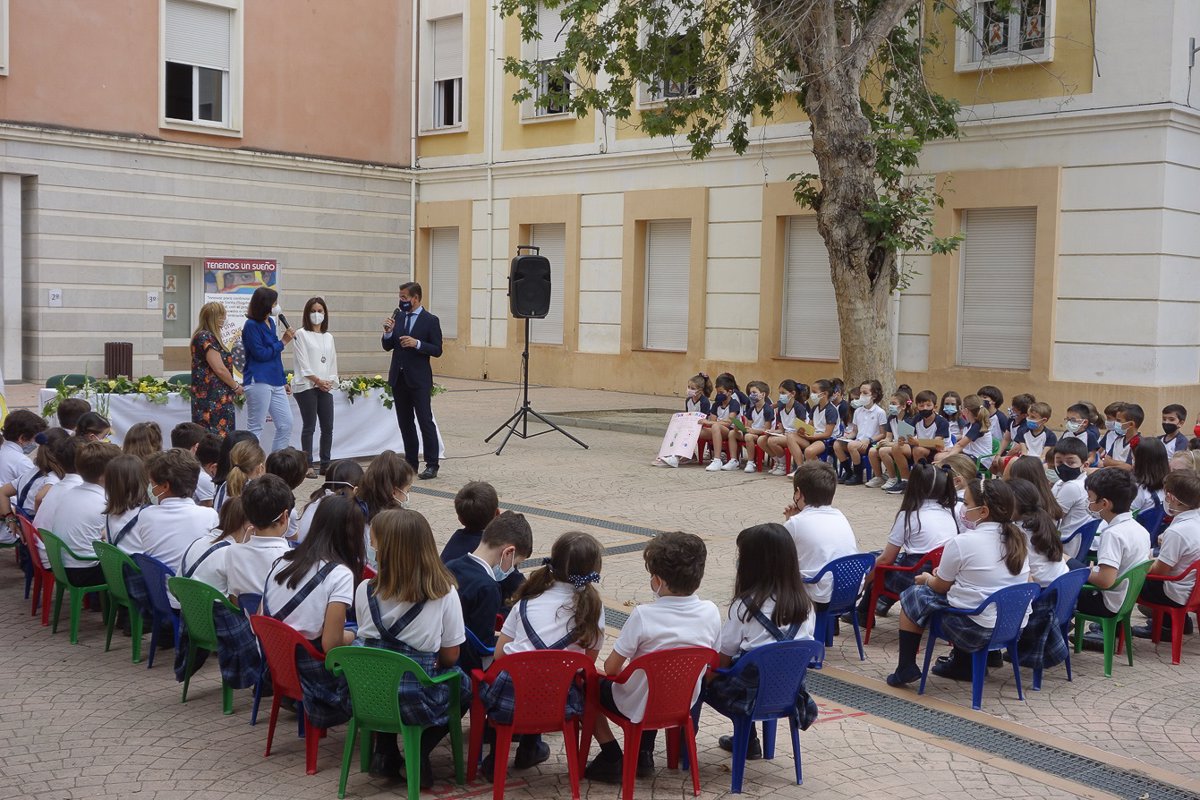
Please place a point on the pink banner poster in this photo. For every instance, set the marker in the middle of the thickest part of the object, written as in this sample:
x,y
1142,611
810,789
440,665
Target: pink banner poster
x,y
682,435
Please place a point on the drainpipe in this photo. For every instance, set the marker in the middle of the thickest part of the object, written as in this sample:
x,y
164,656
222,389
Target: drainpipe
x,y
413,110
489,128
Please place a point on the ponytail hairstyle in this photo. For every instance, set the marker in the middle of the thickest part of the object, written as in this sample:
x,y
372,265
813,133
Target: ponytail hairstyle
x,y
927,483
767,568
232,521
224,458
998,498
576,559
1032,515
1094,417
1150,463
386,473
703,383
125,484
789,385
92,424
245,459
1030,468
48,443
803,393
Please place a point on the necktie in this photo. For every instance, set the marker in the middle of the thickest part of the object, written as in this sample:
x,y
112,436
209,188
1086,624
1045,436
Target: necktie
x,y
408,323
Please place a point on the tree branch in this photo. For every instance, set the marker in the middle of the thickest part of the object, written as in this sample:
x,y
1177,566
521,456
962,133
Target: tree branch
x,y
875,31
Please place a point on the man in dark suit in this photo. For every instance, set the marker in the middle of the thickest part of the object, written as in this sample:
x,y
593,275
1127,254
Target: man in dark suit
x,y
414,336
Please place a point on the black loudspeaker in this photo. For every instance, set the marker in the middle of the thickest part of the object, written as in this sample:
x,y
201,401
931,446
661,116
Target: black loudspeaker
x,y
529,287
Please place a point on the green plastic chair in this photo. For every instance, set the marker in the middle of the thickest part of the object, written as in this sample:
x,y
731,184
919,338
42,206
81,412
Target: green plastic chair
x,y
184,378
69,379
374,675
116,565
55,549
1135,576
196,599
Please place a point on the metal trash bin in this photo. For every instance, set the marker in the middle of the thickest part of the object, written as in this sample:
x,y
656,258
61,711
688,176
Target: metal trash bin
x,y
118,359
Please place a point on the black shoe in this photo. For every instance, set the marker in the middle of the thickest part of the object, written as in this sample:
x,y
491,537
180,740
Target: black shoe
x,y
426,773
753,750
645,767
883,606
903,677
604,771
531,756
487,767
1093,641
385,765
995,659
953,666
429,473
856,478
1145,632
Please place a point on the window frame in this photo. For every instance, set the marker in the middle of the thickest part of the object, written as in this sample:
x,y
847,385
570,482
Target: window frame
x,y
644,334
3,37
967,60
231,84
647,100
428,100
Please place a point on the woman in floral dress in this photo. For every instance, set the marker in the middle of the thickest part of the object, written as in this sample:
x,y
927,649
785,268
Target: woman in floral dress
x,y
213,385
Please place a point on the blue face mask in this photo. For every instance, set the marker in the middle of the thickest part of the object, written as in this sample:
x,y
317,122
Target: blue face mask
x,y
28,448
372,558
1031,425
950,410
406,306
719,399
499,573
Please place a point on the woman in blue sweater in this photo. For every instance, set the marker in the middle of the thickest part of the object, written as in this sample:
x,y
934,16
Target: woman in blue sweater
x,y
263,377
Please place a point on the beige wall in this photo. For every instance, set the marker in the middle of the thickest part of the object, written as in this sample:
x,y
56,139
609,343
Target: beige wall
x,y
320,78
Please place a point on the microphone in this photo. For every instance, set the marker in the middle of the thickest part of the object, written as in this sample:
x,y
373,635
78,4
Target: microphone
x,y
283,321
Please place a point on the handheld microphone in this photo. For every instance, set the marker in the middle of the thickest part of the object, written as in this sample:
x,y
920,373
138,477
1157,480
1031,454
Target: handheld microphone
x,y
283,320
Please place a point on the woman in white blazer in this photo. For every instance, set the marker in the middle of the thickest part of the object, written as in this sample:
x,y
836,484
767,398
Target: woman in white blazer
x,y
314,378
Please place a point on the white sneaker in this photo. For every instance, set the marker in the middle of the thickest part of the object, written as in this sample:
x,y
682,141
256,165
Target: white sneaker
x,y
875,482
889,484
731,465
751,467
779,470
671,461
715,465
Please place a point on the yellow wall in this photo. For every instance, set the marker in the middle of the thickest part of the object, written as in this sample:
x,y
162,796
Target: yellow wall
x,y
553,131
469,141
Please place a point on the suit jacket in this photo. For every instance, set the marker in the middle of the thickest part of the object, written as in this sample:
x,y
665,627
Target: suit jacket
x,y
413,362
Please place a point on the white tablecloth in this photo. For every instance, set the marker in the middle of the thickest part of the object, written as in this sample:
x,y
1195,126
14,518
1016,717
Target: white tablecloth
x,y
360,429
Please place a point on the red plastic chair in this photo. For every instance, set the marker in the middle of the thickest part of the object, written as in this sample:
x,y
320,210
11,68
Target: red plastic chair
x,y
1178,615
43,578
671,677
930,559
279,642
541,680
760,456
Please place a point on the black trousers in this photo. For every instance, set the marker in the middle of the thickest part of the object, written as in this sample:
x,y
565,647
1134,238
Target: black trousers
x,y
85,576
316,405
408,403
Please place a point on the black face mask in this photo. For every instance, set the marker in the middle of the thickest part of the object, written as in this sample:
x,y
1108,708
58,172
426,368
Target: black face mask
x,y
1169,429
926,414
1068,474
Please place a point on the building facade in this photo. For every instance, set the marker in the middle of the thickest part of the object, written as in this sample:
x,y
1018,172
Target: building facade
x,y
1074,183
142,138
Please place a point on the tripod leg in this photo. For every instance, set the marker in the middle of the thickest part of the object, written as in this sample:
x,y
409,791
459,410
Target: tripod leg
x,y
508,422
555,427
512,428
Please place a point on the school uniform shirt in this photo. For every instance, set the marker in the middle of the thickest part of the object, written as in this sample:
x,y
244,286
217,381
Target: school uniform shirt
x,y
308,618
440,623
869,422
246,570
936,428
930,526
462,542
1145,500
741,636
953,423
1124,543
1089,436
1072,499
80,521
304,522
13,462
974,562
668,622
844,409
552,615
701,404
1176,443
821,534
826,421
1036,443
999,424
213,569
1042,570
1179,547
980,442
732,408
785,418
165,530
1121,448
115,523
205,488
29,485
761,418
44,519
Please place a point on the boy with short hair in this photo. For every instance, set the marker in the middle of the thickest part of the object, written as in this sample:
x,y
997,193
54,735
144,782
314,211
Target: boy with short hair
x,y
268,503
1032,437
186,435
1124,543
1173,417
69,412
678,618
80,519
1069,458
208,453
820,531
20,429
1078,424
1179,547
166,528
476,504
1128,434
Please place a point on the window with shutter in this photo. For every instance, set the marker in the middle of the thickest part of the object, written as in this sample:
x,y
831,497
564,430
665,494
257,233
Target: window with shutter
x,y
810,321
551,83
199,54
552,241
668,270
995,314
3,37
447,72
443,278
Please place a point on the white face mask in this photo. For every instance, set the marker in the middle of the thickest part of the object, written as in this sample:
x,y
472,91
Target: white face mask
x,y
859,403
371,557
693,393
154,499
784,397
657,592
499,573
316,317
276,310
402,503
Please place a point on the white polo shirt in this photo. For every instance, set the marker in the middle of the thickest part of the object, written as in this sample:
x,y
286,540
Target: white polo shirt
x,y
310,511
1072,499
1124,544
246,570
308,618
115,523
34,477
821,534
166,530
740,636
928,528
667,623
980,442
47,513
552,616
1179,548
13,462
80,521
1144,501
213,569
205,488
974,562
1042,570
440,623
869,422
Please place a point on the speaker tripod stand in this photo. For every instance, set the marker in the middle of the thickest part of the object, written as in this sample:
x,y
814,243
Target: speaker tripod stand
x,y
520,417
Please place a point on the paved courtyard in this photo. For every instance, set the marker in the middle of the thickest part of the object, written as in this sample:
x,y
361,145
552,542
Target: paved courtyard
x,y
76,722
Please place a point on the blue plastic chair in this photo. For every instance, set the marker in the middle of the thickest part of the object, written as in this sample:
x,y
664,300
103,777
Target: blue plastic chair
x,y
156,573
781,669
480,649
1011,604
1066,589
1151,519
848,573
249,602
1085,533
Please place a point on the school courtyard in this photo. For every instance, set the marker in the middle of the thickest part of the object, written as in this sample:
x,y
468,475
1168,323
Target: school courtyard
x,y
76,722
